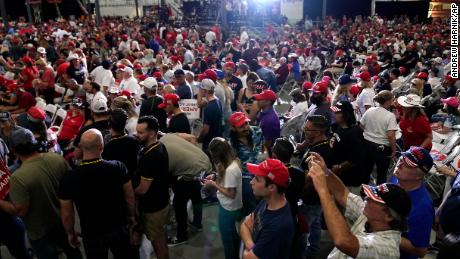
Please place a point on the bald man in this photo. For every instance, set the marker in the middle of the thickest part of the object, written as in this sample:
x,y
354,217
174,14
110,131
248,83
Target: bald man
x,y
103,195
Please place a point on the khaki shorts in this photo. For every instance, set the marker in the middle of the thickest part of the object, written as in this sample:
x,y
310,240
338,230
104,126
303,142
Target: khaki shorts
x,y
155,222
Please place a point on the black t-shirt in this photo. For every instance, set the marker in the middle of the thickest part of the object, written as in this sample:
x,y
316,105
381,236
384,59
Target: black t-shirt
x,y
102,126
96,188
125,149
236,85
348,145
150,107
212,117
310,196
295,188
179,124
153,165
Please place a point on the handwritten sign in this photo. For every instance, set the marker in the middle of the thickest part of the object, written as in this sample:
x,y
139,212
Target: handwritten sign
x,y
190,108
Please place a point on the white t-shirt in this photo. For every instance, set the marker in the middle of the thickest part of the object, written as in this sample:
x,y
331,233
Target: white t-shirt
x,y
210,37
299,108
131,86
366,97
103,77
243,80
377,121
131,125
233,179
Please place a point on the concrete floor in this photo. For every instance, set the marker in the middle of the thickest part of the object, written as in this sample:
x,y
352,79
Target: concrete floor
x,y
207,244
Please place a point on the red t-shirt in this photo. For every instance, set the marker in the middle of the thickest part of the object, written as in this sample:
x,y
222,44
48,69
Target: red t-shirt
x,y
29,74
71,126
25,100
48,76
414,132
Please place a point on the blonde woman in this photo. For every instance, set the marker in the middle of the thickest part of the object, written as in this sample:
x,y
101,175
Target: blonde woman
x,y
124,103
228,182
341,93
417,85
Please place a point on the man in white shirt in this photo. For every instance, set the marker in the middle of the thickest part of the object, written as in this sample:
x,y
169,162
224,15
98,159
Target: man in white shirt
x,y
299,105
210,37
93,92
378,217
103,76
129,83
244,37
124,43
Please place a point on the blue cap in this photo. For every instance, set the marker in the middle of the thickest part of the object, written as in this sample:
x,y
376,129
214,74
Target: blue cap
x,y
346,79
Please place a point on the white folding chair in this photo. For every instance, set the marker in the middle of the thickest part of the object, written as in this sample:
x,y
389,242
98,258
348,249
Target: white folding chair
x,y
41,105
50,110
60,114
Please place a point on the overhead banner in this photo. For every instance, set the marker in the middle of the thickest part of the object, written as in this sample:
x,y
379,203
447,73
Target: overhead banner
x,y
292,9
190,108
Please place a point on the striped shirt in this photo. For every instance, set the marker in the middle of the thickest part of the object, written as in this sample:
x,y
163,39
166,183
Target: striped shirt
x,y
382,244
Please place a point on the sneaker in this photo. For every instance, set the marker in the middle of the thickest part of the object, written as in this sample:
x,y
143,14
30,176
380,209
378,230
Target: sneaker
x,y
174,241
194,227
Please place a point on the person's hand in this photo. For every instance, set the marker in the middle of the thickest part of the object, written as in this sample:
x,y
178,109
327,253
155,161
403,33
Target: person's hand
x,y
249,221
318,159
445,170
317,175
73,239
210,177
209,183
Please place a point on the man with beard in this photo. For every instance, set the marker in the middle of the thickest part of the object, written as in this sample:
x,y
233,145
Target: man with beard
x,y
153,189
178,123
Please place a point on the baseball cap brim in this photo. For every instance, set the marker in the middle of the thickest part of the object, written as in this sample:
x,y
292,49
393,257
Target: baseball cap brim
x,y
371,192
255,169
242,122
162,105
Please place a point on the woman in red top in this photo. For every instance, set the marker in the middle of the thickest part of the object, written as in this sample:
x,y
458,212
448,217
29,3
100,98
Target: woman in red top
x,y
28,74
72,123
414,124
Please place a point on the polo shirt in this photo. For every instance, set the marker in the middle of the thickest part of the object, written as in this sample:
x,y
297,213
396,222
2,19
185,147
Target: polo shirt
x,y
153,165
125,149
269,122
381,244
96,188
414,132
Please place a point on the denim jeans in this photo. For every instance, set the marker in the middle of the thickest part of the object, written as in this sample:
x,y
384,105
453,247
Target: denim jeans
x,y
47,246
12,235
228,232
313,215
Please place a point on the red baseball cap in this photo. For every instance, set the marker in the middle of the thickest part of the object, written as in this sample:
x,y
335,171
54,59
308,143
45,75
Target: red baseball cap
x,y
403,70
365,76
354,90
237,119
451,101
137,66
307,85
230,64
169,99
12,86
422,75
124,36
157,75
174,58
208,73
273,169
319,88
266,95
26,60
126,93
36,114
449,78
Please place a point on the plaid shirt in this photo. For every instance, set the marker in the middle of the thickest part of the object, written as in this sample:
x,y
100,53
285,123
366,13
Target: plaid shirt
x,y
382,244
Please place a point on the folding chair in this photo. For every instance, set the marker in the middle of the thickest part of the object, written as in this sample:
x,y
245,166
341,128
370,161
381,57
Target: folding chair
x,y
50,110
41,105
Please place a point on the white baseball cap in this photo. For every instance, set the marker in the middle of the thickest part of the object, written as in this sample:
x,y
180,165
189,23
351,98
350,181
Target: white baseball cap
x,y
207,84
99,106
127,69
149,83
41,50
114,90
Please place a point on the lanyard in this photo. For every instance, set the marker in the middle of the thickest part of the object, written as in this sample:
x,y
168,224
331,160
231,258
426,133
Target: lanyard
x,y
150,149
91,162
320,144
114,138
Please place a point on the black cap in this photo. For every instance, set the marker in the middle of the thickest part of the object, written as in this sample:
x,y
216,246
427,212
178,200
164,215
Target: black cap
x,y
393,196
342,106
179,72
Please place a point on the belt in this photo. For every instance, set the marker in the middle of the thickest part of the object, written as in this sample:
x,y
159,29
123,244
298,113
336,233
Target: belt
x,y
377,146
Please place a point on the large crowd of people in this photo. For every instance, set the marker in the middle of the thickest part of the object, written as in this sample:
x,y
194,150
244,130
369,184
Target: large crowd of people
x,y
363,93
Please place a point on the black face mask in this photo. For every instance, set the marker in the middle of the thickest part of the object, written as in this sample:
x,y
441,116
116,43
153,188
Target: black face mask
x,y
317,99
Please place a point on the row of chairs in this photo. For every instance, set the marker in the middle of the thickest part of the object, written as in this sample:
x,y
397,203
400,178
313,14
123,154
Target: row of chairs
x,y
55,112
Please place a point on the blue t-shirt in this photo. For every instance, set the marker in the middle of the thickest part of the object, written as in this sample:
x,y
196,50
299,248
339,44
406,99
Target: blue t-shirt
x,y
273,232
184,91
420,219
212,116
